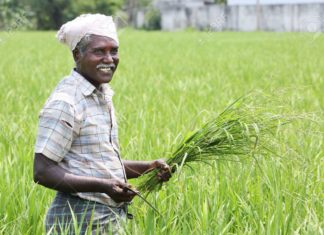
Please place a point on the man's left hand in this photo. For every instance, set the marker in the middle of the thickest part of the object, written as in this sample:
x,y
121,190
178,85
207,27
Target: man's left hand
x,y
164,173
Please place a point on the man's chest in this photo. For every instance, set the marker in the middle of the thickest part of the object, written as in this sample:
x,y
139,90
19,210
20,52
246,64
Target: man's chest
x,y
97,125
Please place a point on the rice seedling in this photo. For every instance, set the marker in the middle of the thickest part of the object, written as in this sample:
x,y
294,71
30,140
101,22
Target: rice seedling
x,y
240,131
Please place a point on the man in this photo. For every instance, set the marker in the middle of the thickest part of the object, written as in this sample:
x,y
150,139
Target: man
x,y
76,151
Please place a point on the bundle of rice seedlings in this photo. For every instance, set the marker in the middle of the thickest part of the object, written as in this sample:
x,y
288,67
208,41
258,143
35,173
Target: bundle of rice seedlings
x,y
240,131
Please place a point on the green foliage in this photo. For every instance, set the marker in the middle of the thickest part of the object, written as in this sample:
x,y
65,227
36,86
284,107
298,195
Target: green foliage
x,y
152,19
96,6
221,1
13,15
241,131
52,14
144,3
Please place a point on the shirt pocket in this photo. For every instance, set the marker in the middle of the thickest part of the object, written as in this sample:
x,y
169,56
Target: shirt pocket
x,y
89,140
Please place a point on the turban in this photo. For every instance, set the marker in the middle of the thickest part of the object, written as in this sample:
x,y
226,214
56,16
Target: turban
x,y
73,31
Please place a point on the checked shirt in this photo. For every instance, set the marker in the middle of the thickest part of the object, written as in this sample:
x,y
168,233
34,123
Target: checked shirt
x,y
78,129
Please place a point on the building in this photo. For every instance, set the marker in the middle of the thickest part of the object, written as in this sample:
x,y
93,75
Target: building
x,y
271,2
240,15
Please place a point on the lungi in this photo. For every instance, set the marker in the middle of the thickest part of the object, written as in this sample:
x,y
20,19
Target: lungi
x,y
70,214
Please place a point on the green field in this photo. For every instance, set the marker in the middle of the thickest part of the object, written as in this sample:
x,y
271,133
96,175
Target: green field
x,y
166,85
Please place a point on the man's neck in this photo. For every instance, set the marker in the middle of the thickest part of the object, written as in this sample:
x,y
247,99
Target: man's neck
x,y
96,85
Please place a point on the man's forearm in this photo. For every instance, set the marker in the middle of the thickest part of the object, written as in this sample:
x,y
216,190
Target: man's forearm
x,y
49,174
71,183
135,169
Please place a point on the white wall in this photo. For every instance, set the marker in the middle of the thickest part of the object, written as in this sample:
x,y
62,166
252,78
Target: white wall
x,y
268,2
278,18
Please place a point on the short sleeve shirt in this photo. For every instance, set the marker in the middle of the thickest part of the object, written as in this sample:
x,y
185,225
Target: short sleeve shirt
x,y
78,129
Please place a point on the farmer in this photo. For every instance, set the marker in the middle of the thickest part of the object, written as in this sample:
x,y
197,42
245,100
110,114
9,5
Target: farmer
x,y
77,151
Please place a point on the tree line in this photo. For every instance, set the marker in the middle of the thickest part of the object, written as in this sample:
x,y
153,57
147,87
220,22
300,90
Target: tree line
x,y
50,14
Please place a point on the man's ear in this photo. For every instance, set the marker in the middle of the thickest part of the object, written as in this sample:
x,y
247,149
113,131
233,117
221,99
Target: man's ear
x,y
76,55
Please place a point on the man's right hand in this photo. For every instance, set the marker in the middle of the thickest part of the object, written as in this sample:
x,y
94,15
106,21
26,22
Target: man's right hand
x,y
118,191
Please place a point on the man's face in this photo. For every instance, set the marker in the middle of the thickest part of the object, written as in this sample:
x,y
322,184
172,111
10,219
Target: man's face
x,y
99,61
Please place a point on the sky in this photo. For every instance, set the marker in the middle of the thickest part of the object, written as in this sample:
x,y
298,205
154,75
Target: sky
x,y
249,2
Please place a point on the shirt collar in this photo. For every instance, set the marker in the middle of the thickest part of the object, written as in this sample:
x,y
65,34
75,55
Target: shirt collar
x,y
87,88
106,90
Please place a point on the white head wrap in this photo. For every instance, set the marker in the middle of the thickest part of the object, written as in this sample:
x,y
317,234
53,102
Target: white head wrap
x,y
73,31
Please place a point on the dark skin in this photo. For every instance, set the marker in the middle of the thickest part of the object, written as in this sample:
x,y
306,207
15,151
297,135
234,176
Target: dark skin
x,y
49,174
101,50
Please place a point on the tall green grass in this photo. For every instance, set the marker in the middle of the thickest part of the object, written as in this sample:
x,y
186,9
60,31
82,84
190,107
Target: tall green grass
x,y
241,131
167,84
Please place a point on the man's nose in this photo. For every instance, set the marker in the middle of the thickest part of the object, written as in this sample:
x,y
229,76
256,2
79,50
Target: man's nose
x,y
107,58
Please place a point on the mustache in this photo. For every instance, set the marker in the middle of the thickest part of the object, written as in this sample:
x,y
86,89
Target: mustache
x,y
99,66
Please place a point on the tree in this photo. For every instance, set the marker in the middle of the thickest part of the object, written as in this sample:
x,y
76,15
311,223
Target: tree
x,y
12,12
51,14
221,1
107,7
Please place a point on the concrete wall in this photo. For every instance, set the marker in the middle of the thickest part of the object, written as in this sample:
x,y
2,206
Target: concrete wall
x,y
271,2
178,15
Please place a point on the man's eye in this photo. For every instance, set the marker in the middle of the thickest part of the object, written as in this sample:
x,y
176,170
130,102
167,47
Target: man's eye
x,y
114,51
98,51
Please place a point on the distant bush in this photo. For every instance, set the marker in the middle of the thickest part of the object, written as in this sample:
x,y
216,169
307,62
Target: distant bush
x,y
152,19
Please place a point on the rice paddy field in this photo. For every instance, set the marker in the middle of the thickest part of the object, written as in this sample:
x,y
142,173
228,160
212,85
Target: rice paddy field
x,y
167,85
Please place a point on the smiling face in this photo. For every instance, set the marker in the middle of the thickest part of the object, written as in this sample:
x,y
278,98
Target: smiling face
x,y
98,61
